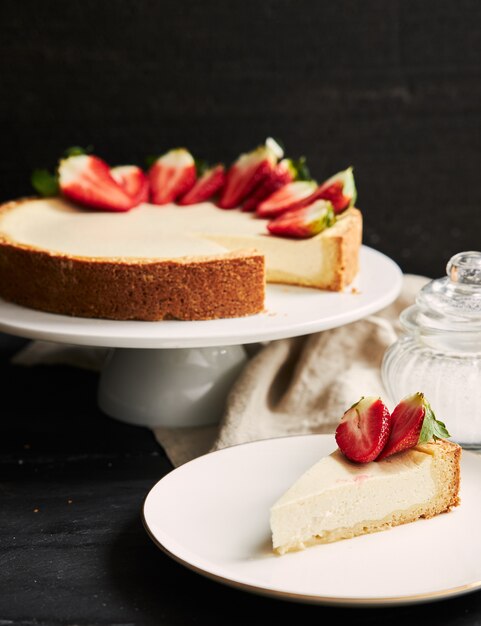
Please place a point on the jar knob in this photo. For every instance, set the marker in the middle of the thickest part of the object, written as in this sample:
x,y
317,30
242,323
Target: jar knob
x,y
465,268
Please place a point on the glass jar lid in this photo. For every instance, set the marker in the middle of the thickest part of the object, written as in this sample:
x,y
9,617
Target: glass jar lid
x,y
451,304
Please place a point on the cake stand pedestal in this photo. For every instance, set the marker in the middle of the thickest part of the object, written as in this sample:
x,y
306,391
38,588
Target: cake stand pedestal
x,y
173,373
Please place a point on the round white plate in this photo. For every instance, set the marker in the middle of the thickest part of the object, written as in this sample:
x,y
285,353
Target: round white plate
x,y
290,311
212,515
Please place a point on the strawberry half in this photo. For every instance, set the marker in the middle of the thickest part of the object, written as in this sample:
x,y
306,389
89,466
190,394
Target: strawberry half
x,y
364,430
133,180
172,175
304,222
413,422
288,197
284,172
245,174
87,180
211,181
340,190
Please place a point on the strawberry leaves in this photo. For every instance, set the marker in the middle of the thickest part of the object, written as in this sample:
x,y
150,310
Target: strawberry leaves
x,y
432,428
45,183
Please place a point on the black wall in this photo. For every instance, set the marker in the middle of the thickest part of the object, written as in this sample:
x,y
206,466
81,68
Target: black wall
x,y
390,86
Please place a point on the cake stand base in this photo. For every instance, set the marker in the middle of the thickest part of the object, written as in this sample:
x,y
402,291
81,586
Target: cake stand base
x,y
171,387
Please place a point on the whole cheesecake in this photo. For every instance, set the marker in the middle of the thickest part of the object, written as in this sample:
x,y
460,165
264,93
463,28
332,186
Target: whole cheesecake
x,y
161,262
338,499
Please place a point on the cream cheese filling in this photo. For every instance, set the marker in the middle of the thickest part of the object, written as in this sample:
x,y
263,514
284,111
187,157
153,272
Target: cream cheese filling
x,y
336,493
148,231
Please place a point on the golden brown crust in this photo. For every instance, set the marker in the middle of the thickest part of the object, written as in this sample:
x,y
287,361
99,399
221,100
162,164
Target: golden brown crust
x,y
449,471
350,246
227,286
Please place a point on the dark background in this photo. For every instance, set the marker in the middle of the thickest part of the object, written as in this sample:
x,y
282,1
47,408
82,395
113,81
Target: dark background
x,y
390,86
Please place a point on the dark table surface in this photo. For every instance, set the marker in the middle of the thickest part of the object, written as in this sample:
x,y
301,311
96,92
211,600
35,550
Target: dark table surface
x,y
72,546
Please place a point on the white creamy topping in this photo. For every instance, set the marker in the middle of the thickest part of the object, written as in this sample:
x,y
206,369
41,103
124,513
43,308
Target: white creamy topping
x,y
336,493
147,231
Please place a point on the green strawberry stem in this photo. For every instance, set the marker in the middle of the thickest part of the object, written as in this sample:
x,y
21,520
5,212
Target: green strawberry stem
x,y
302,171
201,166
432,428
76,150
45,183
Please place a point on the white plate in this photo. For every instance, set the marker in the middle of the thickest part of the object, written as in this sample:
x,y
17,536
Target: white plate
x,y
212,515
290,311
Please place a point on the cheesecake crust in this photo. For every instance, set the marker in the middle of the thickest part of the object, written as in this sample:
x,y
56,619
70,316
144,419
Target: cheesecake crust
x,y
231,285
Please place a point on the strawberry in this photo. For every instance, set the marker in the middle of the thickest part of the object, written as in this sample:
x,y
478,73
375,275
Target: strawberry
x,y
133,180
340,190
304,222
87,180
171,176
364,430
413,422
209,183
288,197
246,173
284,172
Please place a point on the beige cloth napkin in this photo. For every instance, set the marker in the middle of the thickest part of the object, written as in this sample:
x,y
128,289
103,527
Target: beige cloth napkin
x,y
300,385
290,386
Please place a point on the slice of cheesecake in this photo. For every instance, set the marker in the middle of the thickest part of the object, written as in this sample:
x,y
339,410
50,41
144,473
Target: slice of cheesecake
x,y
338,499
157,262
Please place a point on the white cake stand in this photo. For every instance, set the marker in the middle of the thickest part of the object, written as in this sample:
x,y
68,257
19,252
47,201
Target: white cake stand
x,y
173,373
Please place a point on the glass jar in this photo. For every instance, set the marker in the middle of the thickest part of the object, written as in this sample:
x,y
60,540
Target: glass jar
x,y
439,352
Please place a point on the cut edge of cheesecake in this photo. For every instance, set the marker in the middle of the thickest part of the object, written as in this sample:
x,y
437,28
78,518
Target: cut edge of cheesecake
x,y
445,472
330,259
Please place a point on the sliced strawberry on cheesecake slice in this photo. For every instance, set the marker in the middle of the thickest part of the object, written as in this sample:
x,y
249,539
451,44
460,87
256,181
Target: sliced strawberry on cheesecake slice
x,y
206,186
133,180
412,422
340,190
364,429
247,173
304,222
290,196
171,176
87,180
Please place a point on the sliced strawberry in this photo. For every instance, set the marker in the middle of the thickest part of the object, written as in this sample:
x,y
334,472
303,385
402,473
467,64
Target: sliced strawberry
x,y
340,190
86,179
211,181
288,197
172,175
364,430
245,174
284,172
133,180
304,222
413,422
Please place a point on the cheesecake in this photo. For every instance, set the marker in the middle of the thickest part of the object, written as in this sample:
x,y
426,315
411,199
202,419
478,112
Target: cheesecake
x,y
161,262
338,499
